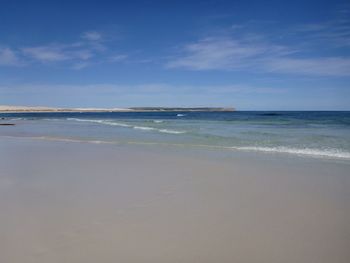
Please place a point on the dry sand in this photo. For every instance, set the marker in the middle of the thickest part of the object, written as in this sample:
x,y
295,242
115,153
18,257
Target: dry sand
x,y
75,202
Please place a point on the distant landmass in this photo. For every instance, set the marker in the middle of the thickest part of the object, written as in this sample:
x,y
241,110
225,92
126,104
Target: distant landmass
x,y
181,109
9,109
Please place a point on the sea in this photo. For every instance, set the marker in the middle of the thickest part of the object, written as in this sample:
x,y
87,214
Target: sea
x,y
317,134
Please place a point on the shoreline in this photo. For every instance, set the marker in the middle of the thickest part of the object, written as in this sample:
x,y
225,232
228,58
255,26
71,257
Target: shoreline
x,y
184,131
221,150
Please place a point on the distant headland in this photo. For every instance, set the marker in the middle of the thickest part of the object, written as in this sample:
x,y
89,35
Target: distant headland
x,y
20,109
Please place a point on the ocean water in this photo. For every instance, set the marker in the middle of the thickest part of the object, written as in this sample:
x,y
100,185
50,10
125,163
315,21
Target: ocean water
x,y
314,134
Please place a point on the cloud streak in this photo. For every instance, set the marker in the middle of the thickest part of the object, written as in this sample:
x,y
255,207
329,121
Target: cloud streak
x,y
8,57
89,50
60,52
334,33
239,52
92,36
215,53
46,53
329,66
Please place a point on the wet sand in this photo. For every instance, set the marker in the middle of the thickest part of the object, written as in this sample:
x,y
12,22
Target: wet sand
x,y
78,202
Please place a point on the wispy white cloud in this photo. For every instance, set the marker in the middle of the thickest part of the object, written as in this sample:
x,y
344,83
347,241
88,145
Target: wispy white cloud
x,y
49,53
8,57
334,33
83,54
117,58
314,49
329,66
80,65
57,53
240,53
92,36
215,53
76,55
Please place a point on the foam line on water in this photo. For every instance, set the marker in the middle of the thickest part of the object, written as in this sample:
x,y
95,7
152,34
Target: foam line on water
x,y
308,152
112,123
327,153
100,122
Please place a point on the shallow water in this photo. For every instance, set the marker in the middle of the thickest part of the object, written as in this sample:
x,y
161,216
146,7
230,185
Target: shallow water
x,y
316,134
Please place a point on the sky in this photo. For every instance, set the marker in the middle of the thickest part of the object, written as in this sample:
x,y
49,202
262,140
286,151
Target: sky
x,y
251,55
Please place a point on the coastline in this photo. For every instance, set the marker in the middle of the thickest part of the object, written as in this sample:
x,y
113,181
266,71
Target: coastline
x,y
323,136
59,198
26,109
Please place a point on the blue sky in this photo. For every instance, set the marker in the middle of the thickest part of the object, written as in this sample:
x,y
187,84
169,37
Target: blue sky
x,y
253,55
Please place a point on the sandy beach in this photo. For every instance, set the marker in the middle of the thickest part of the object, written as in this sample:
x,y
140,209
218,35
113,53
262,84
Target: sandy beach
x,y
175,131
83,202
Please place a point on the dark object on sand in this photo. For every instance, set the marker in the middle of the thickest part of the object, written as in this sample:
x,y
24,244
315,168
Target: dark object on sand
x,y
7,124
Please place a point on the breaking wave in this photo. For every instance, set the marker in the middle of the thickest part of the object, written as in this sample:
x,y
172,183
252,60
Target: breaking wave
x,y
120,124
326,153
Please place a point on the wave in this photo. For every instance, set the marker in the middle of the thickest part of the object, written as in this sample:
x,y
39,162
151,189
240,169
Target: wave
x,y
158,130
144,128
309,152
101,122
11,119
112,123
326,153
171,131
180,115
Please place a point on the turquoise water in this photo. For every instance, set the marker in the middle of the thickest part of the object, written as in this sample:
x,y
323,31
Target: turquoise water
x,y
317,134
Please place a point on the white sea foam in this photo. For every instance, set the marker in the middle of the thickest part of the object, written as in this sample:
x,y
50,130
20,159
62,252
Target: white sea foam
x,y
158,121
51,119
106,122
144,128
315,153
11,119
112,123
325,153
171,131
180,115
158,130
